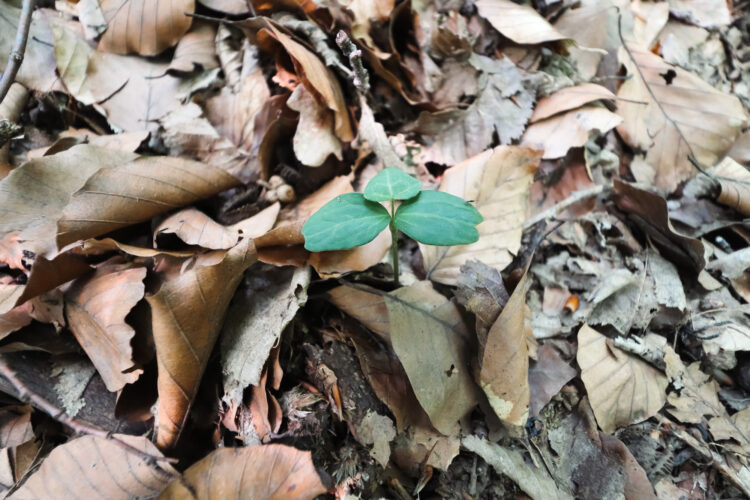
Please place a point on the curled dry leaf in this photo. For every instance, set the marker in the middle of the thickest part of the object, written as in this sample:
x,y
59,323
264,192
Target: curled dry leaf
x,y
314,139
187,314
113,198
92,467
520,23
233,7
586,25
497,181
145,27
558,134
196,50
568,99
96,307
504,374
272,472
196,228
683,116
734,180
622,388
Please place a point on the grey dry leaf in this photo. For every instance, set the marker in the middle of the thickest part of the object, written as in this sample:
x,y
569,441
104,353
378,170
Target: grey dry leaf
x,y
695,394
196,50
520,23
706,13
622,389
683,116
546,377
93,467
497,181
430,339
144,26
254,324
314,138
482,292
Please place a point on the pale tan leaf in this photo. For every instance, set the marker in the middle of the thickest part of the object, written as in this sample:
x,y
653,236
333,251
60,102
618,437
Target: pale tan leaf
x,y
429,338
368,308
682,116
187,314
735,185
335,263
504,374
15,426
314,139
649,18
558,134
568,99
587,25
520,23
91,467
497,182
144,26
233,7
10,109
118,197
622,388
196,50
96,307
92,19
93,246
269,472
704,13
196,228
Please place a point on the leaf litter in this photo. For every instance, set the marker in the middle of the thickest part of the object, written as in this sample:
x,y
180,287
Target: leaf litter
x,y
164,331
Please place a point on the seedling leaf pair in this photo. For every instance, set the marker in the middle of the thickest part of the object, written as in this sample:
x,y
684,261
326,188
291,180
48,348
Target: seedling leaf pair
x,y
430,217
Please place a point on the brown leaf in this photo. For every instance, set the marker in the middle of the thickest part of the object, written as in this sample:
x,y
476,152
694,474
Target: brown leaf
x,y
520,23
196,228
586,25
734,180
683,116
622,388
314,139
187,314
145,27
15,426
92,467
497,181
558,134
95,247
546,377
568,99
96,307
272,472
368,308
196,50
118,197
505,361
234,7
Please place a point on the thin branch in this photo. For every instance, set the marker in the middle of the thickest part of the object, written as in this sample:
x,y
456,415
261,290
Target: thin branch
x,y
574,198
361,79
15,58
30,397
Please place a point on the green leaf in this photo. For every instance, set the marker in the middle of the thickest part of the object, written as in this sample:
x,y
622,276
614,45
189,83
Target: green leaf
x,y
347,221
392,184
437,218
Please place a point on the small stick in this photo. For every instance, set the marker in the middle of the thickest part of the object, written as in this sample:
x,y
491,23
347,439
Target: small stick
x,y
559,207
30,397
360,79
15,58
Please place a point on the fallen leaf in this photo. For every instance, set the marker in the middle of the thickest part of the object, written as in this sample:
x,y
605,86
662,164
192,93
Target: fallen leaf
x,y
254,322
570,98
733,179
137,191
622,388
481,291
520,23
546,377
15,426
196,228
683,116
558,134
368,308
704,13
272,472
695,394
92,467
314,139
377,430
187,314
429,337
504,373
234,7
587,25
147,28
96,307
498,182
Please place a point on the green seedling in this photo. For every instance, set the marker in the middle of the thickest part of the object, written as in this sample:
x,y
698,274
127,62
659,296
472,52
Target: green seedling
x,y
430,217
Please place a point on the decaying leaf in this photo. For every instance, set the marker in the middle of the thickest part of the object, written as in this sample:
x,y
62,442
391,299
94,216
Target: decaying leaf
x,y
196,228
145,27
314,139
196,50
92,467
683,116
273,472
504,374
587,25
568,99
498,182
187,314
734,180
520,23
622,389
546,377
96,307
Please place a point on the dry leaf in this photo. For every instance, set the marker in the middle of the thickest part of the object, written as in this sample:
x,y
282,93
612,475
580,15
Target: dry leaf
x,y
233,7
196,228
734,180
546,377
558,134
497,181
504,370
429,338
118,197
520,23
145,27
91,467
270,472
314,139
481,291
568,99
622,388
704,13
587,25
695,395
196,50
683,116
96,307
187,314
368,308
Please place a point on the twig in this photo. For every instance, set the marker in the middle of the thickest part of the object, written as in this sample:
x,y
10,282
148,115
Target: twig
x,y
559,207
30,397
361,79
635,345
15,58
